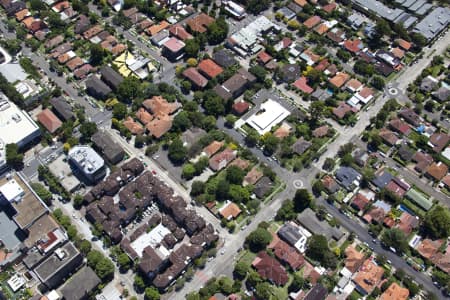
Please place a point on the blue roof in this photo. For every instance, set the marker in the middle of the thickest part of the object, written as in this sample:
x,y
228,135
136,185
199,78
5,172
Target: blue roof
x,y
382,180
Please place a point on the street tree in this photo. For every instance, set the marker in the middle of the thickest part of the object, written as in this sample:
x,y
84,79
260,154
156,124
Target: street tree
x,y
437,222
396,239
13,157
177,152
258,239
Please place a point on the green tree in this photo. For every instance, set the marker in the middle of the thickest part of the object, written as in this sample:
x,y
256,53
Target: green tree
x,y
302,200
378,82
286,211
13,157
78,201
418,39
177,152
87,129
258,239
181,122
213,105
217,31
240,270
297,283
259,72
235,175
317,249
97,53
197,188
85,246
37,5
104,268
152,294
396,239
124,261
192,48
238,193
263,291
129,89
329,164
270,144
252,138
120,111
222,191
316,111
437,222
42,192
257,6
343,55
139,283
188,171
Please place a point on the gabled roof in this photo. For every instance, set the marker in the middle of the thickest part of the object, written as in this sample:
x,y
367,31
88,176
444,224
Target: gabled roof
x,y
179,32
369,276
360,201
353,259
400,126
230,211
159,106
302,85
195,77
200,23
339,79
312,21
49,120
439,141
269,268
353,46
395,292
404,44
209,68
437,170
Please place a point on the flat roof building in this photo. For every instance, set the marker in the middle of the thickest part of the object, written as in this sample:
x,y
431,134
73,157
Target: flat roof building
x,y
88,162
436,21
16,126
80,284
58,266
269,114
112,151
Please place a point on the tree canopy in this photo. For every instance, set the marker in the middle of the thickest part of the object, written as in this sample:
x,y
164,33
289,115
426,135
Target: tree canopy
x,y
437,222
13,157
258,239
177,152
396,239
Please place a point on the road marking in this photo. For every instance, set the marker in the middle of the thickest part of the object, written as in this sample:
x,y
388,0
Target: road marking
x,y
298,183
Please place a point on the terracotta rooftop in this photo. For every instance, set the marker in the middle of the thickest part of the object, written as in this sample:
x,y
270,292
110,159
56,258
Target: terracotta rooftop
x,y
253,176
353,259
230,211
159,106
179,32
407,223
353,84
369,276
269,268
395,292
143,116
132,126
222,159
399,53
212,148
241,107
341,110
74,63
353,46
49,120
264,57
302,85
360,201
320,131
437,170
195,77
429,248
159,125
400,126
439,141
312,21
154,29
322,28
301,2
329,7
285,253
200,23
404,44
240,163
283,131
209,68
339,79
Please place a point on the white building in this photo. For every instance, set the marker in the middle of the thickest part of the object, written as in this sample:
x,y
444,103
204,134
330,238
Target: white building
x,y
269,114
88,162
11,192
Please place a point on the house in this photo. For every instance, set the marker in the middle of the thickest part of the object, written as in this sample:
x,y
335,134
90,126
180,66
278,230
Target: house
x,y
283,44
330,184
442,94
240,163
312,22
302,85
212,148
348,177
143,116
222,159
329,7
192,136
209,68
403,44
290,72
286,254
111,77
235,85
269,268
428,84
395,292
199,23
318,292
398,53
252,176
360,202
97,88
62,109
301,145
397,187
320,94
355,21
111,150
437,171
155,28
388,58
159,126
241,107
286,13
423,160
159,106
339,79
133,127
382,179
79,286
353,85
438,141
262,187
408,223
49,120
309,57
224,58
410,116
308,219
405,152
429,248
263,58
321,131
322,65
368,277
173,49
400,126
195,77
353,259
230,211
353,46
179,32
419,199
300,3
336,35
294,235
388,137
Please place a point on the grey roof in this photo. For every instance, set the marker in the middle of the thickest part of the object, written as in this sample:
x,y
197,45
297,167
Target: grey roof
x,y
289,14
442,94
379,9
111,77
421,11
54,264
408,3
192,136
318,292
346,176
321,94
62,107
289,232
93,83
300,146
407,22
224,58
355,19
8,234
262,187
80,284
13,72
434,22
294,7
309,220
418,4
108,146
382,180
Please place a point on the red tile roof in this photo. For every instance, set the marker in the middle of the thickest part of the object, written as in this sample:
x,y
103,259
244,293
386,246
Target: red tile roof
x,y
360,201
222,159
132,126
200,23
437,170
269,268
400,126
407,223
339,79
285,253
353,259
353,46
209,68
174,45
404,44
395,292
330,7
302,85
179,32
230,211
312,21
49,120
264,57
342,109
212,148
369,276
241,107
195,77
